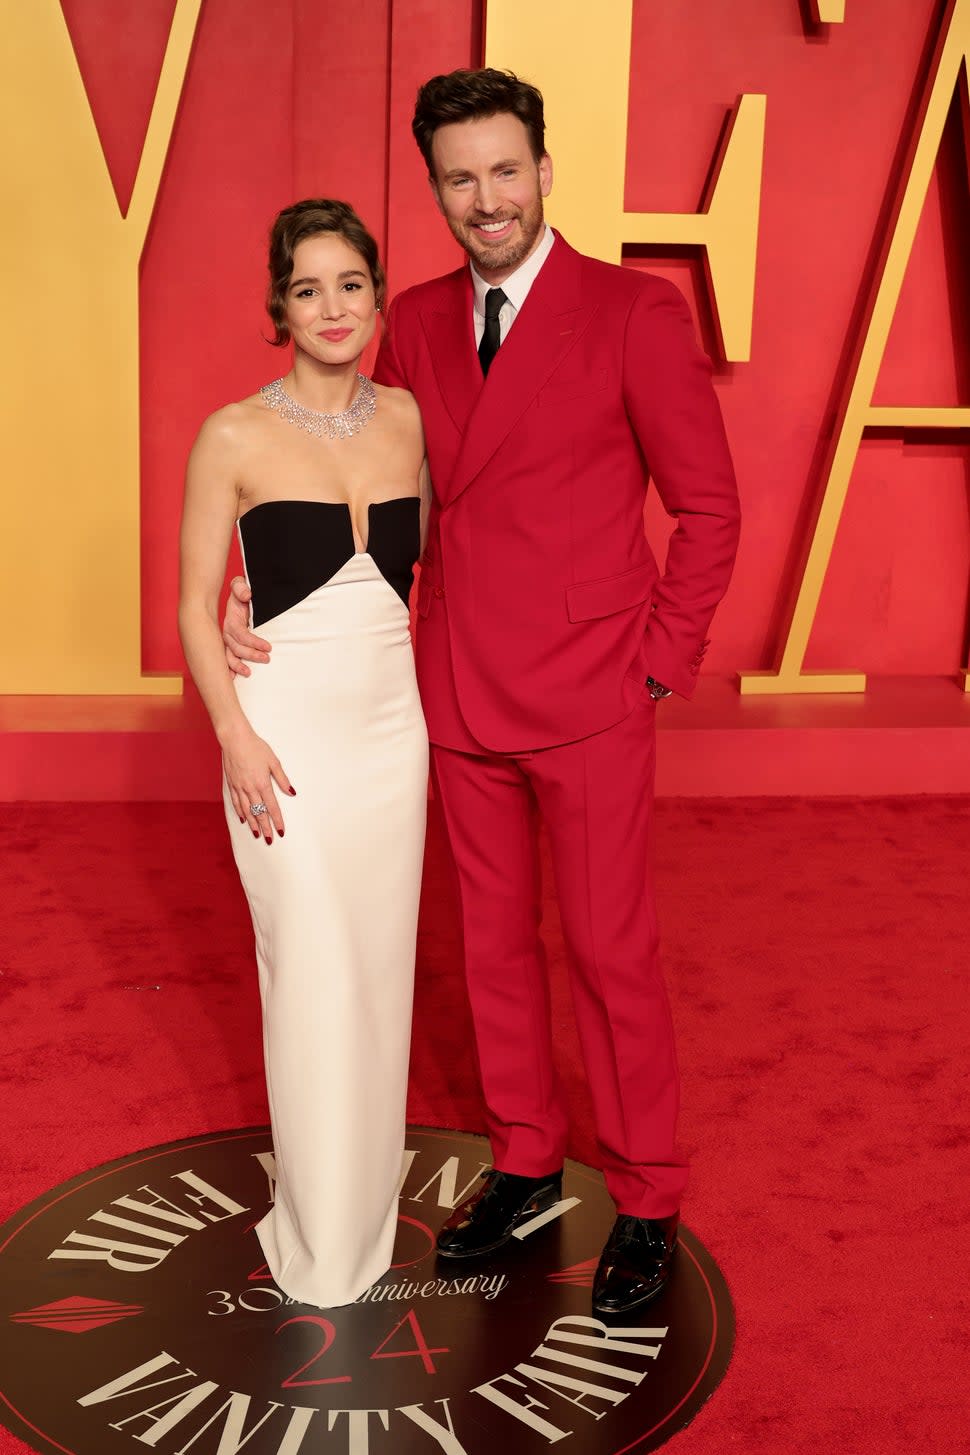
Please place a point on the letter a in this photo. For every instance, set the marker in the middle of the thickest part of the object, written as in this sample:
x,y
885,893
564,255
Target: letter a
x,y
857,411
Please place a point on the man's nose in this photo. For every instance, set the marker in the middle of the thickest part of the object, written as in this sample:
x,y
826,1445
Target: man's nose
x,y
486,196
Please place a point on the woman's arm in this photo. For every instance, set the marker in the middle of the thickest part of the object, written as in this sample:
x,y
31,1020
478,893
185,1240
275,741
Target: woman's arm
x,y
208,514
424,486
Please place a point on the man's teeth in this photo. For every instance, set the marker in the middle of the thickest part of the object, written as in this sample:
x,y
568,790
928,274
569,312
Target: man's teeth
x,y
494,226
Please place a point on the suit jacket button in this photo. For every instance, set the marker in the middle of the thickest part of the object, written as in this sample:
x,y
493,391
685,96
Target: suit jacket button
x,y
439,591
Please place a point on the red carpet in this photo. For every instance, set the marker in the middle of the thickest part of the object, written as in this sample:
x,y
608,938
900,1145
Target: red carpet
x,y
817,955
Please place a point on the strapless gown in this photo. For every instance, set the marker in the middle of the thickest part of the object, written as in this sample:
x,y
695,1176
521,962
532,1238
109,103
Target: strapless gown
x,y
335,902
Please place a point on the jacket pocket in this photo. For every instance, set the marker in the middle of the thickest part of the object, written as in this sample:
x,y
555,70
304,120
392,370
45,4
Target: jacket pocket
x,y
577,386
586,600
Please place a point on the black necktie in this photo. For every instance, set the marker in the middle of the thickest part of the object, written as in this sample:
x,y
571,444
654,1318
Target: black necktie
x,y
492,337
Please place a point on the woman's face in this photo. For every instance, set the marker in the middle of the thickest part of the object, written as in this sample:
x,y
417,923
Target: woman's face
x,y
331,311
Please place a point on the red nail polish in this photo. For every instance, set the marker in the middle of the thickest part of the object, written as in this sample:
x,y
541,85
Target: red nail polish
x,y
292,792
255,833
282,833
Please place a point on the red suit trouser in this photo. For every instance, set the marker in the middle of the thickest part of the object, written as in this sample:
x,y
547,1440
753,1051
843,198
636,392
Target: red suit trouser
x,y
595,797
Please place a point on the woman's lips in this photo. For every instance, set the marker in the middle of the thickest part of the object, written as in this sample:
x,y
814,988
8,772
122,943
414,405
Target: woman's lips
x,y
334,335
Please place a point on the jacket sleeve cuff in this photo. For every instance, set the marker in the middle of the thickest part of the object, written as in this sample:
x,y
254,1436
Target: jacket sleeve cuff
x,y
668,666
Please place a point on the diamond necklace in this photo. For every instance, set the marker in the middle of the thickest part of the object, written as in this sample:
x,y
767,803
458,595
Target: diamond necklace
x,y
314,421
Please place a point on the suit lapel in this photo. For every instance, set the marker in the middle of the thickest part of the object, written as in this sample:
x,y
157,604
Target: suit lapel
x,y
450,333
550,322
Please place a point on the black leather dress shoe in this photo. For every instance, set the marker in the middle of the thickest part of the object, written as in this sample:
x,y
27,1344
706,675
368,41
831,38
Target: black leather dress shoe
x,y
635,1264
487,1219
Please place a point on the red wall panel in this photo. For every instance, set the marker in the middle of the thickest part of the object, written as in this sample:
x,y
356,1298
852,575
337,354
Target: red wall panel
x,y
119,48
284,99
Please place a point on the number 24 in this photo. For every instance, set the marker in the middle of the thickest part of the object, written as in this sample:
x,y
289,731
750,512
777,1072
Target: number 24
x,y
329,1333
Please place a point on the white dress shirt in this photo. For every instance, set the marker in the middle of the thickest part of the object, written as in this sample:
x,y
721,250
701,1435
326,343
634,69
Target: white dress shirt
x,y
516,288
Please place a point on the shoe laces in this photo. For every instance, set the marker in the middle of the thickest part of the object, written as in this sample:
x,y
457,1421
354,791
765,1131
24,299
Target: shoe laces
x,y
490,1193
628,1231
640,1232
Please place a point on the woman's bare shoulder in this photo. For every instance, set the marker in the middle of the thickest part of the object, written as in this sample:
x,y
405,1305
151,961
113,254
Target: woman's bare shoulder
x,y
232,426
242,414
400,399
400,405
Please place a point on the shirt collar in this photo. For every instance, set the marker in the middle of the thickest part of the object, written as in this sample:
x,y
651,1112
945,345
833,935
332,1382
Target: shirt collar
x,y
517,284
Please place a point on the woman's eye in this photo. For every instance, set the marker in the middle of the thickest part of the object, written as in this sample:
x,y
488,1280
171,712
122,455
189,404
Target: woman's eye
x,y
305,293
354,287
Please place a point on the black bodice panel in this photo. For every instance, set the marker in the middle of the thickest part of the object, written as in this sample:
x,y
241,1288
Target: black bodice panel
x,y
294,546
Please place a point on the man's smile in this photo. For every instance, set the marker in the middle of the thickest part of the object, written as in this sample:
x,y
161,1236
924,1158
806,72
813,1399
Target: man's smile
x,y
494,229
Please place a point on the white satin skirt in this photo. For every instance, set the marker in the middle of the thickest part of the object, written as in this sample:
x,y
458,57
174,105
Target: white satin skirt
x,y
334,907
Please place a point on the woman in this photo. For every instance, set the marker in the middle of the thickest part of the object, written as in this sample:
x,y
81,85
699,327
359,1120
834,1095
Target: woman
x,y
324,473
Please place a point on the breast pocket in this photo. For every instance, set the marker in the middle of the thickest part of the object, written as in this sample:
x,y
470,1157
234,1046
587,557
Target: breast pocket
x,y
573,386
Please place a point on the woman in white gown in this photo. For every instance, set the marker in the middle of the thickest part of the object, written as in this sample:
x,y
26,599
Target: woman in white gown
x,y
323,474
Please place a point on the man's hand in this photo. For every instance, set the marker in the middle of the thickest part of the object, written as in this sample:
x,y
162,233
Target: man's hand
x,y
240,643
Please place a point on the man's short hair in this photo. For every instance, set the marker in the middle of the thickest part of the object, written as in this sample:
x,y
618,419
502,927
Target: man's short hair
x,y
471,95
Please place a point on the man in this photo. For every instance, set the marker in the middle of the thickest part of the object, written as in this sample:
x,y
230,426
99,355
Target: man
x,y
552,387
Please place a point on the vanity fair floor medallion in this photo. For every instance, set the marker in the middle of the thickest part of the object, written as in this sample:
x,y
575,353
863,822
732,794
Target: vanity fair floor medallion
x,y
136,1314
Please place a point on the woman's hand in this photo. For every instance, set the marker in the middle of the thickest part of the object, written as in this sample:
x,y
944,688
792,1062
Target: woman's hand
x,y
251,768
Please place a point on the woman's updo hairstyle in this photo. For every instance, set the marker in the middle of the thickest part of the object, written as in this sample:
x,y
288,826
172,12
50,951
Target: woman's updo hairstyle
x,y
307,219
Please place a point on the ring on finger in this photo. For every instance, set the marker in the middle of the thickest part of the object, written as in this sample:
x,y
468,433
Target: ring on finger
x,y
257,808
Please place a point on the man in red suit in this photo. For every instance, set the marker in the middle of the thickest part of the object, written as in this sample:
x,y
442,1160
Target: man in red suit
x,y
553,387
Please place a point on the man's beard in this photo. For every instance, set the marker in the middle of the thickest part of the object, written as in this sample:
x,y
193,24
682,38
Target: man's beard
x,y
509,254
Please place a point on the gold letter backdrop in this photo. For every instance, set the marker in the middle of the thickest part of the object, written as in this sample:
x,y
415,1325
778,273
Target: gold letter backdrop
x,y
70,583
948,71
70,261
589,144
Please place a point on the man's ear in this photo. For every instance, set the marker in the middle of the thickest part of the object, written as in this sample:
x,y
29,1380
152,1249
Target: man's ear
x,y
545,174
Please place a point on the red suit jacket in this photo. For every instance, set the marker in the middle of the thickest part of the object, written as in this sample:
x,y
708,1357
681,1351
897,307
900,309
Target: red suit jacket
x,y
541,607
